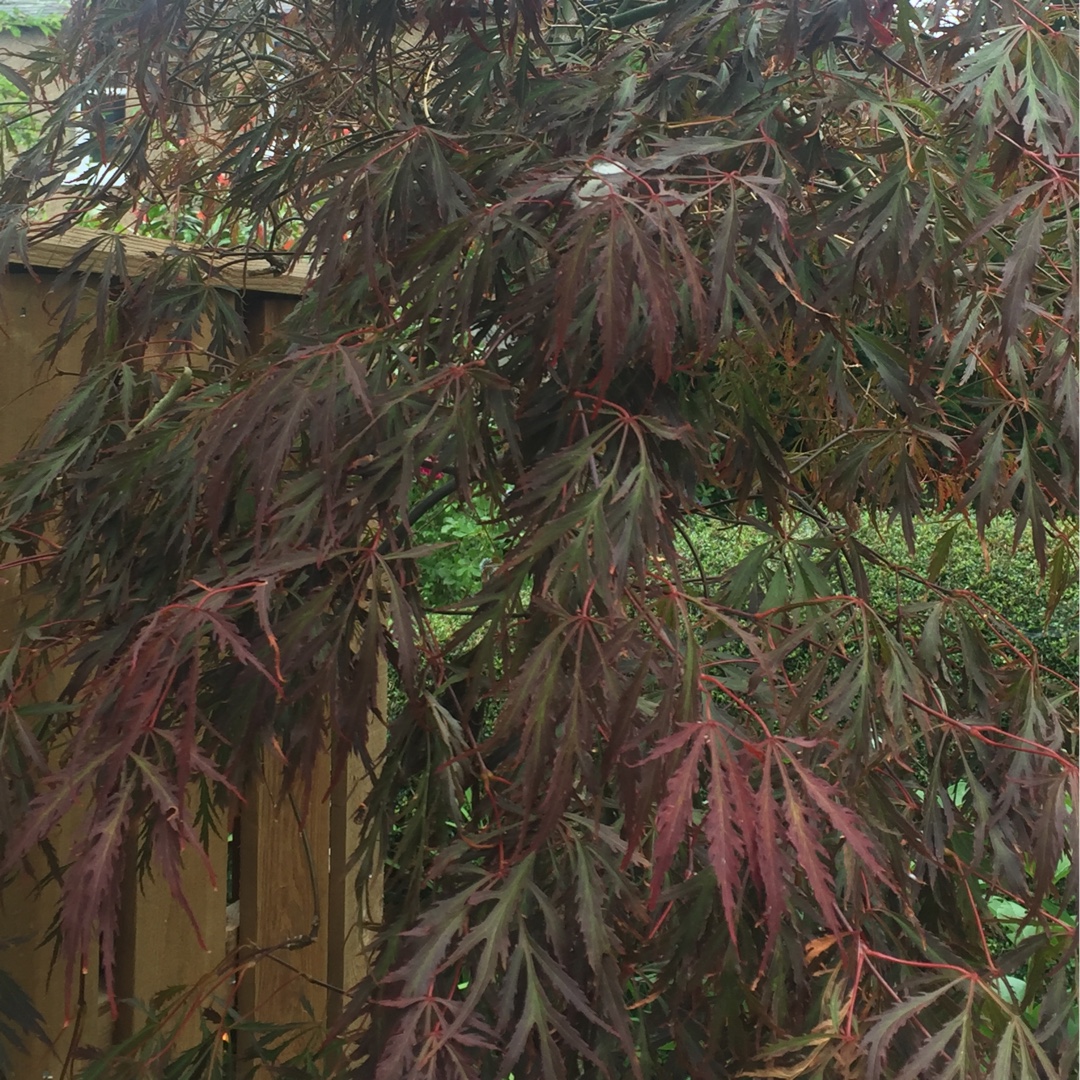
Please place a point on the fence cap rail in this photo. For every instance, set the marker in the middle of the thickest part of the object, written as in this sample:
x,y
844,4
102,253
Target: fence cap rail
x,y
238,269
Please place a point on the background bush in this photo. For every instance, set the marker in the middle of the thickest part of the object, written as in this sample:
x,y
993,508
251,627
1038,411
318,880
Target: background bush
x,y
1010,580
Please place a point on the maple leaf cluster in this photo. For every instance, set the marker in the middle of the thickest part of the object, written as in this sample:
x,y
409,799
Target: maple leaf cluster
x,y
805,269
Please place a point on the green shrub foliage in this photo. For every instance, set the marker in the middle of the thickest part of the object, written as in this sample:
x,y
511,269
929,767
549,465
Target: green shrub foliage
x,y
1005,577
600,269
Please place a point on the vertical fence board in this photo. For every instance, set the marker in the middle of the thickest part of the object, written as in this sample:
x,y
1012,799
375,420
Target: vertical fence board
x,y
158,946
284,874
354,905
262,315
284,868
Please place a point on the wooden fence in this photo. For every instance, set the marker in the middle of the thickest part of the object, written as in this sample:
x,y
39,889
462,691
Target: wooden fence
x,y
288,879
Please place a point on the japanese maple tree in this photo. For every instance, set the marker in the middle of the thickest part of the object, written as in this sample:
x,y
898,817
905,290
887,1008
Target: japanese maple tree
x,y
808,268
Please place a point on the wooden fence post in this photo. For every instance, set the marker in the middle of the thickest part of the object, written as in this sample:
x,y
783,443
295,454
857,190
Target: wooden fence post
x,y
28,394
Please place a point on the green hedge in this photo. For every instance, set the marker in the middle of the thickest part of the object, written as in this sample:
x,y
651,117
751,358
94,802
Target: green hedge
x,y
1009,581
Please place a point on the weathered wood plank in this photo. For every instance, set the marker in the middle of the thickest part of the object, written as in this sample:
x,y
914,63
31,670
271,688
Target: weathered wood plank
x,y
284,878
29,390
354,906
263,316
236,269
158,947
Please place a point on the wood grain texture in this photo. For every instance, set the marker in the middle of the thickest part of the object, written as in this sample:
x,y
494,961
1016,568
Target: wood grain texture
x,y
159,948
284,880
240,270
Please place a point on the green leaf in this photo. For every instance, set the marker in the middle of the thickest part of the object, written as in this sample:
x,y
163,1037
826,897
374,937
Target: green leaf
x,y
939,557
